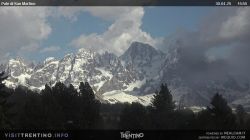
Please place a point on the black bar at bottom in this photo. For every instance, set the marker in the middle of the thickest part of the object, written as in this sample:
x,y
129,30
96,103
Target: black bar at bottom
x,y
125,134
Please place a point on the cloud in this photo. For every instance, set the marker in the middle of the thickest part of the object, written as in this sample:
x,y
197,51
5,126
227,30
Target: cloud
x,y
29,48
104,12
50,49
67,12
4,56
237,25
218,48
22,28
125,29
230,25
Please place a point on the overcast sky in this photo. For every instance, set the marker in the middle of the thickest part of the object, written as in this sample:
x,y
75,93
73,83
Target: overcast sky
x,y
35,33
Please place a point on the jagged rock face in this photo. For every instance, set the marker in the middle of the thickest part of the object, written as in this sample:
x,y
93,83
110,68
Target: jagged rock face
x,y
146,62
144,58
46,74
134,76
140,55
105,72
19,71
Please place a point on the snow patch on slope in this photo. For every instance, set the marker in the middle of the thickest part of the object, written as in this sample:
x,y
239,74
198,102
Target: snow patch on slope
x,y
136,84
119,96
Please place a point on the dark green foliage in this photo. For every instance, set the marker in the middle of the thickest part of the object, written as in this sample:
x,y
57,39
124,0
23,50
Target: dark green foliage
x,y
163,100
219,105
32,116
240,111
110,114
247,123
86,92
221,113
5,114
203,120
219,116
63,107
183,119
162,111
134,116
52,110
241,117
57,107
89,108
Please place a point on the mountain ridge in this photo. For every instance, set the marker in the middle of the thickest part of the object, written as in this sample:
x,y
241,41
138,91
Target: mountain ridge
x,y
133,76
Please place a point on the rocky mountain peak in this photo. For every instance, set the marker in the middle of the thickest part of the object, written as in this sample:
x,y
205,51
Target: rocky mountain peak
x,y
141,49
86,53
138,72
49,60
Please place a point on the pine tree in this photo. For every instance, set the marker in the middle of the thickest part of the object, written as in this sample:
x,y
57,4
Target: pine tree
x,y
86,92
71,109
52,109
163,100
32,116
222,116
163,109
134,116
90,107
219,105
241,115
4,104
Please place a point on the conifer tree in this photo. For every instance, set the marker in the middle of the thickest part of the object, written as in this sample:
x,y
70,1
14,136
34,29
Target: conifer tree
x,y
134,116
222,116
52,110
86,92
241,115
90,107
163,100
219,105
163,109
4,104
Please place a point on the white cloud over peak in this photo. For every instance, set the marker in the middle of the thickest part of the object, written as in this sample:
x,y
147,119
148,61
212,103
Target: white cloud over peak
x,y
125,29
24,28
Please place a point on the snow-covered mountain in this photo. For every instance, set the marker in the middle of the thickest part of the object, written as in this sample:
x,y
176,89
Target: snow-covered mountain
x,y
133,76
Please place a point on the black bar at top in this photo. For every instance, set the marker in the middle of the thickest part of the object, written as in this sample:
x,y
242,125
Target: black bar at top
x,y
124,2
